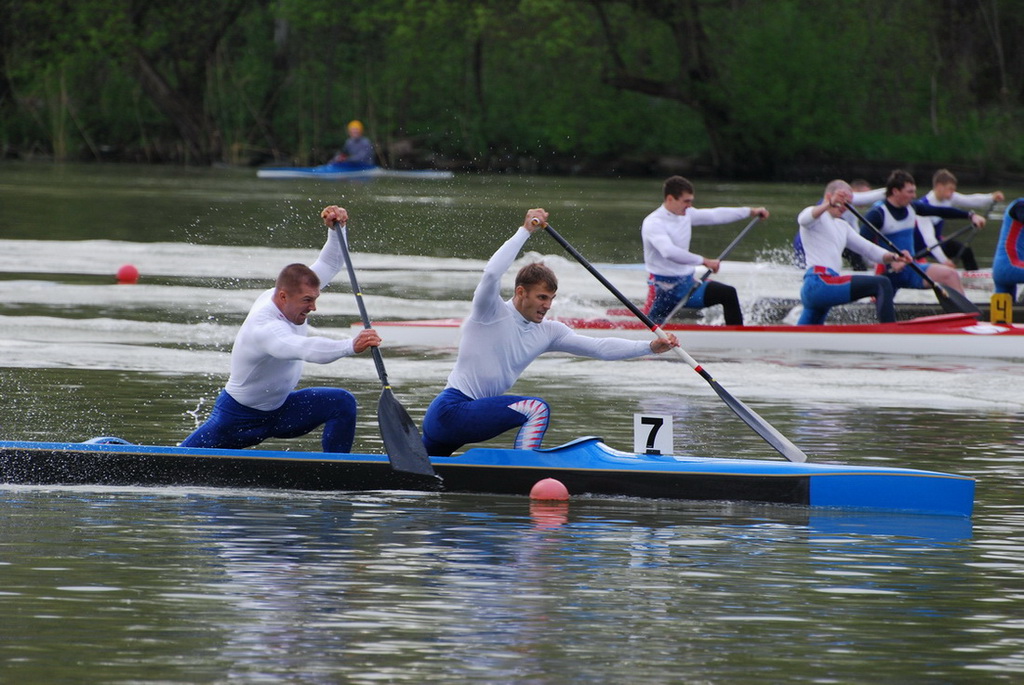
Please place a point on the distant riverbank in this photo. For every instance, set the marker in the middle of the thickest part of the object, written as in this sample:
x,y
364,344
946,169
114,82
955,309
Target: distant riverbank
x,y
405,154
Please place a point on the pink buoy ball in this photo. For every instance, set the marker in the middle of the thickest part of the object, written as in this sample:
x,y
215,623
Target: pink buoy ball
x,y
549,489
128,274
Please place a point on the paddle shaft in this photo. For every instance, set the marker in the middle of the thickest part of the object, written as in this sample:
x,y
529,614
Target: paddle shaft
x,y
768,432
401,438
952,302
925,250
725,253
378,361
892,246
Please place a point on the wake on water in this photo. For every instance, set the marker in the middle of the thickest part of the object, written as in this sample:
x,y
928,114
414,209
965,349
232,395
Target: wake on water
x,y
183,314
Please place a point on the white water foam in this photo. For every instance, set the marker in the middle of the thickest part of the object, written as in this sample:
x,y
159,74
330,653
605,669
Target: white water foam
x,y
162,343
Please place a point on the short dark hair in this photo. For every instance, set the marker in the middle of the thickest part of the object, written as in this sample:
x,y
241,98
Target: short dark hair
x,y
943,177
676,186
537,274
897,179
294,276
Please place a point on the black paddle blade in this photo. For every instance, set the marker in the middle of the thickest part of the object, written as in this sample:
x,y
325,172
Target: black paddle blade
x,y
767,431
953,302
401,439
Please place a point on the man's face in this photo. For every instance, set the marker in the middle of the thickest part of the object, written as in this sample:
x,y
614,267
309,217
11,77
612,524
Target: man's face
x,y
901,197
944,191
296,305
837,200
679,205
533,302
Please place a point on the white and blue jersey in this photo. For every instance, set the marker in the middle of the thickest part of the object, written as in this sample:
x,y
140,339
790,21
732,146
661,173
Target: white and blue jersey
x,y
899,225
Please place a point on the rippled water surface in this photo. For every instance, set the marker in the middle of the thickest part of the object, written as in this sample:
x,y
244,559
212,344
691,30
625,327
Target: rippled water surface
x,y
179,585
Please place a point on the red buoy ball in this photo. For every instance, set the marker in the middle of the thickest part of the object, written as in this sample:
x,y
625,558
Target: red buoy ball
x,y
549,489
128,274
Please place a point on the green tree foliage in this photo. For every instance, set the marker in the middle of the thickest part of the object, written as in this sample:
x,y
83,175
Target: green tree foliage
x,y
743,87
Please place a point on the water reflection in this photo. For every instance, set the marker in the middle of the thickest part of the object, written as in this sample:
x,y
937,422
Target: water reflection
x,y
433,586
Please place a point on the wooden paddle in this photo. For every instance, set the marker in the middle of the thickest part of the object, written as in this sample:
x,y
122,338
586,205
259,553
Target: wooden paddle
x,y
725,253
927,250
402,440
952,302
772,436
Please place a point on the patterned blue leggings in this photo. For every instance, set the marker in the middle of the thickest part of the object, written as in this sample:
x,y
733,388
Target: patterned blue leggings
x,y
454,419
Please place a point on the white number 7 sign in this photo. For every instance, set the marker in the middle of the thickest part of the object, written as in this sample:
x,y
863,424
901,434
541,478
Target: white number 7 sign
x,y
652,434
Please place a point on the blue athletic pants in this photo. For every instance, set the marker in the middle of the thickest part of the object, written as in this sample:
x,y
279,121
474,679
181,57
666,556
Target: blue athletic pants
x,y
669,290
233,426
824,288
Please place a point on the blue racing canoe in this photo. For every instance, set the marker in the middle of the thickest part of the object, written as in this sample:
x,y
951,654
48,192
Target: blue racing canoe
x,y
586,466
344,172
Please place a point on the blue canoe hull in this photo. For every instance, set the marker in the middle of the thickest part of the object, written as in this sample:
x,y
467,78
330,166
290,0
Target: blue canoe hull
x,y
586,467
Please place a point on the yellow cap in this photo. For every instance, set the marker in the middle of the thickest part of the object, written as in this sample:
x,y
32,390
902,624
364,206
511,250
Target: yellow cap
x,y
356,124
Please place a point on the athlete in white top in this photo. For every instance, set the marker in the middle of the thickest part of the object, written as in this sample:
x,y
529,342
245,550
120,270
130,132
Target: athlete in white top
x,y
259,400
670,263
944,194
863,195
825,235
499,340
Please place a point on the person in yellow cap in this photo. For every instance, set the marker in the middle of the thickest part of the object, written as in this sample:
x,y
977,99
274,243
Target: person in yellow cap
x,y
358,150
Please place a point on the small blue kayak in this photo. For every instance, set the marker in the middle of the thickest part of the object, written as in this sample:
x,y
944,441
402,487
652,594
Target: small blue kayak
x,y
585,466
341,171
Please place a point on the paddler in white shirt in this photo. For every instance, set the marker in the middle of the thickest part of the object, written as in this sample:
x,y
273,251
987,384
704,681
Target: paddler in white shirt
x,y
825,235
500,338
671,264
260,400
944,194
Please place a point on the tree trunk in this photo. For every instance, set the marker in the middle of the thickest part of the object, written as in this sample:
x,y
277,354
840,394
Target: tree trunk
x,y
696,83
197,129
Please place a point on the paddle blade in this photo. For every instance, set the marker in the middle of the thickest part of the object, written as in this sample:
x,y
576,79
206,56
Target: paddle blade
x,y
773,437
767,431
401,438
953,302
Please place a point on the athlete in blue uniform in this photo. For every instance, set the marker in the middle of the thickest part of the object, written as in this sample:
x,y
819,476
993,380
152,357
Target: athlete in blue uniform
x,y
825,235
357,152
260,400
896,217
500,338
1008,263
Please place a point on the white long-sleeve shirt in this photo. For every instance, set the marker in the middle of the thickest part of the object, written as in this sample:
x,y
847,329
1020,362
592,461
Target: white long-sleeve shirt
x,y
269,350
931,227
975,201
666,237
825,238
498,343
